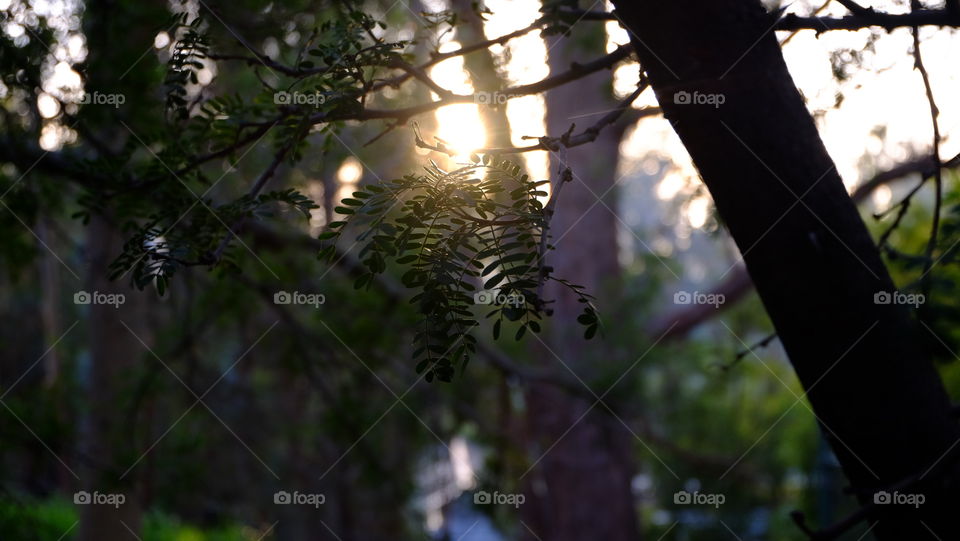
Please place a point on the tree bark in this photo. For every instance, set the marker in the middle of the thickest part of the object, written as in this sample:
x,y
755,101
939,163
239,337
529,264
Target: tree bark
x,y
118,36
877,396
483,73
677,323
587,463
114,352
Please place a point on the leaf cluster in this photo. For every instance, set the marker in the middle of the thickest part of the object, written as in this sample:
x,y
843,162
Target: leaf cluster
x,y
467,240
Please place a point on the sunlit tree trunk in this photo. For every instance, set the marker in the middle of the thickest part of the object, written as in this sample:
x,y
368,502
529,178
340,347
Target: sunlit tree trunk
x,y
877,396
483,74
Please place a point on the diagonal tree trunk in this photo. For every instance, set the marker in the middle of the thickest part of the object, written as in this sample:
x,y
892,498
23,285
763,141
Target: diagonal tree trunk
x,y
877,396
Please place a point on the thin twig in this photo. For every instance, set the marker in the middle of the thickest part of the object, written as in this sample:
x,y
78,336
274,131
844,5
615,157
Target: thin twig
x,y
925,283
749,351
816,12
869,18
903,206
436,58
567,140
855,8
254,191
566,175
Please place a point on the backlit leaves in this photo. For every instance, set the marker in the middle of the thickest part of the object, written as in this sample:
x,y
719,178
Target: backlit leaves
x,y
469,243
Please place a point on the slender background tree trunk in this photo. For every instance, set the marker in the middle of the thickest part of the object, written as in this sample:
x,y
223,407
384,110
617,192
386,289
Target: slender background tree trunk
x,y
587,464
114,352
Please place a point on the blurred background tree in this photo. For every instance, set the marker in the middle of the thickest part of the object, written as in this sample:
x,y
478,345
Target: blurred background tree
x,y
171,171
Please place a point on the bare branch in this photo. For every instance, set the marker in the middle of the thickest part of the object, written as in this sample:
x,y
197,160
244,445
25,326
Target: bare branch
x,y
935,155
855,8
575,72
436,58
254,191
567,140
924,17
862,18
422,76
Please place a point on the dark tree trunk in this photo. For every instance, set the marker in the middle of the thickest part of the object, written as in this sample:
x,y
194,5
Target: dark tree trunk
x,y
877,396
119,35
114,352
587,463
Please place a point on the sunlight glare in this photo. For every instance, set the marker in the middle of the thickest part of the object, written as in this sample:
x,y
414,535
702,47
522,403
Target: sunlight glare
x,y
882,197
350,171
47,105
524,62
625,76
671,185
161,40
458,125
348,176
698,210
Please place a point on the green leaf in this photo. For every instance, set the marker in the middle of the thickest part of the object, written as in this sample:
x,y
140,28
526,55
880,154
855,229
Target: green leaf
x,y
521,331
492,283
490,268
590,332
